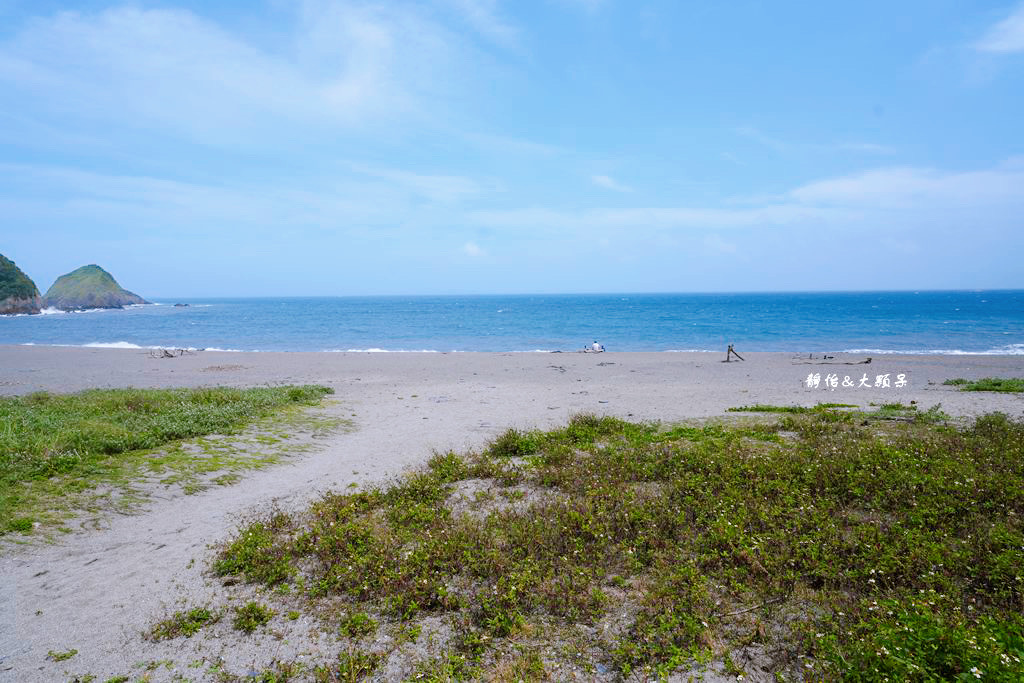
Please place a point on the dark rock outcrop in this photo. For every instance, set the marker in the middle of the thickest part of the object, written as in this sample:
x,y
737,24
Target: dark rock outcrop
x,y
89,287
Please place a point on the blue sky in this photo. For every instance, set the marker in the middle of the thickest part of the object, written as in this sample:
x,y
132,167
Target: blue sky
x,y
332,147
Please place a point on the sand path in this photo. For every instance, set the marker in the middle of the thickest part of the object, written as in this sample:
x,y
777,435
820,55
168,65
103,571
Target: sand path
x,y
96,591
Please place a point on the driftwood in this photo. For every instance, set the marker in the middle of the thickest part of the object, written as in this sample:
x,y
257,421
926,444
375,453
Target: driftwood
x,y
730,353
866,361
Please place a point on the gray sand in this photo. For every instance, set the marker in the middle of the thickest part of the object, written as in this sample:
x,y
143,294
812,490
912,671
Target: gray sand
x,y
97,591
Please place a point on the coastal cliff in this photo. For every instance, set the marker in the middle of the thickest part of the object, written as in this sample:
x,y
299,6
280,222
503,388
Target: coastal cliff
x,y
18,294
89,287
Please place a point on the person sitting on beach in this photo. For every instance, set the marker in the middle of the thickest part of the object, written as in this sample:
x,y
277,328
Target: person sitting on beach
x,y
596,348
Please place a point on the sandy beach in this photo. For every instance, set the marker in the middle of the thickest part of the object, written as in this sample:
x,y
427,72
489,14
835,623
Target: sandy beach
x,y
96,591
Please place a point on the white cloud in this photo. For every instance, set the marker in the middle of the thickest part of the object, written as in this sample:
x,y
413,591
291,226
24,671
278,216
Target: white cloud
x,y
609,183
921,188
176,73
1006,36
473,250
895,197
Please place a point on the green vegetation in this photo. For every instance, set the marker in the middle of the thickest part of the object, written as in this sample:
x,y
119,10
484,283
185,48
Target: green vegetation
x,y
61,656
56,449
14,284
185,623
1009,384
251,616
794,410
358,625
353,665
88,287
828,544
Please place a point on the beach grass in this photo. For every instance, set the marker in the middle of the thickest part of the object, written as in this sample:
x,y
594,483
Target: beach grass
x,y
61,451
1007,384
828,544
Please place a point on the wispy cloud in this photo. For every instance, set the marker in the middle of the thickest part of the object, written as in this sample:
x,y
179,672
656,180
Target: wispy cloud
x,y
609,183
504,144
438,188
1006,36
921,188
647,218
588,5
473,250
485,18
893,196
786,146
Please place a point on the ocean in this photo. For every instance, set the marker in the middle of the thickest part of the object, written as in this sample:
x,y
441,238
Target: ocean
x,y
941,322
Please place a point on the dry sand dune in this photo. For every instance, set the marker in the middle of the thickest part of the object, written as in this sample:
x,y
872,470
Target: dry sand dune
x,y
97,591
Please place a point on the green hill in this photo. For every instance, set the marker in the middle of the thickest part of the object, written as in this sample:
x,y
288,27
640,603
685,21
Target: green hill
x,y
88,287
18,294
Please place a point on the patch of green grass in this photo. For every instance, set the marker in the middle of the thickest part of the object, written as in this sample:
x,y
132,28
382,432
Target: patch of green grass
x,y
184,623
766,408
910,412
648,550
352,665
251,616
58,656
22,525
62,453
357,625
1007,384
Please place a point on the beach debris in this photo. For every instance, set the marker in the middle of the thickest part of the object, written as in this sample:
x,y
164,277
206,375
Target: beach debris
x,y
730,352
171,353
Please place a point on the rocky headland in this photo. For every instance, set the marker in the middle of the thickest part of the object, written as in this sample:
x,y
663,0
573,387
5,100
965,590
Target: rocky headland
x,y
88,287
18,294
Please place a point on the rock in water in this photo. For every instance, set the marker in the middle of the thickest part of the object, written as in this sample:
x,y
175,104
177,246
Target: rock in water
x,y
18,294
89,287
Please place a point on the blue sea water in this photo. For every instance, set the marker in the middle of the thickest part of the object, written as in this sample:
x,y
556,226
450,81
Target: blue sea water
x,y
951,322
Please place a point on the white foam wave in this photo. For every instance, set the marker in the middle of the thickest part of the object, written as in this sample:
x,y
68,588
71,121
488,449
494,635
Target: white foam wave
x,y
50,310
116,345
1008,350
376,350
